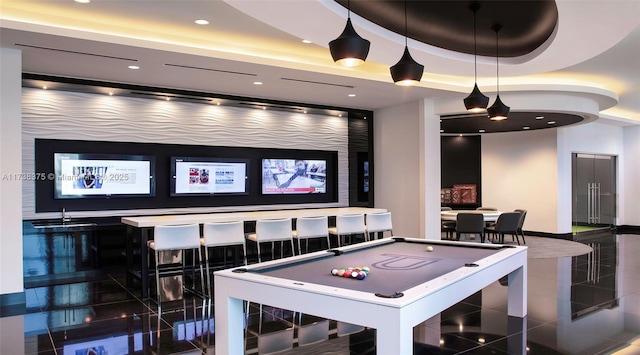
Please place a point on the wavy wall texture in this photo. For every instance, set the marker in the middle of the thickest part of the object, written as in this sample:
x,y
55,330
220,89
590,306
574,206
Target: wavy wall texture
x,y
72,115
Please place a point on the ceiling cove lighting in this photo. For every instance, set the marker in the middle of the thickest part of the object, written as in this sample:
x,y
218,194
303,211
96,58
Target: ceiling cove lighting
x,y
407,71
349,49
476,101
498,111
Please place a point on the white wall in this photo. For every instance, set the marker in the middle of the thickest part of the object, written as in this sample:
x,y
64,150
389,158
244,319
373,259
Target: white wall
x,y
519,170
407,167
56,114
630,205
10,171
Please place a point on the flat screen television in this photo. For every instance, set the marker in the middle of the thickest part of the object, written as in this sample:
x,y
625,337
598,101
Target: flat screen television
x,y
209,176
81,175
294,176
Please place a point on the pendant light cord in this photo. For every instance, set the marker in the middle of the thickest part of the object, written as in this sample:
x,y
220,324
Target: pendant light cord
x,y
497,65
475,48
406,31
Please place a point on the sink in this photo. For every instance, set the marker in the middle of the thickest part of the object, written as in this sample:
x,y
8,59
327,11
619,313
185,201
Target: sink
x,y
63,225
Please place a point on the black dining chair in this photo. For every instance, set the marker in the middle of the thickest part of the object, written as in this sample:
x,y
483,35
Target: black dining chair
x,y
470,223
523,214
446,226
507,223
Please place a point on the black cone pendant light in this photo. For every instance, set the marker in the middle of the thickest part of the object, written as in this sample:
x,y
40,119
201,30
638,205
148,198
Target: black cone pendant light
x,y
498,111
349,49
476,101
407,71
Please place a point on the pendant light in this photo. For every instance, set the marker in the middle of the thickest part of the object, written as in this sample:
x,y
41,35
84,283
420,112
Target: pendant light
x,y
498,111
407,71
349,49
476,101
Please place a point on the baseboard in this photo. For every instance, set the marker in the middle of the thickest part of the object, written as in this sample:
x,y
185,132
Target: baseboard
x,y
12,304
627,229
565,236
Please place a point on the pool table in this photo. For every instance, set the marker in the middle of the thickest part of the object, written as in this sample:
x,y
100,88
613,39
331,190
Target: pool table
x,y
406,285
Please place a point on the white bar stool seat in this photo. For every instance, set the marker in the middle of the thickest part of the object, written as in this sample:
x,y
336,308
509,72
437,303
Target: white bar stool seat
x,y
272,230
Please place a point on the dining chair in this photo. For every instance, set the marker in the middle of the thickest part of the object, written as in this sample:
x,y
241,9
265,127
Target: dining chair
x,y
349,225
170,239
272,230
523,215
470,223
378,223
507,223
311,228
221,234
446,226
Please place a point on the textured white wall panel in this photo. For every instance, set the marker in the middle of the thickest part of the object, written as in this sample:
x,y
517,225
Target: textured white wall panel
x,y
71,115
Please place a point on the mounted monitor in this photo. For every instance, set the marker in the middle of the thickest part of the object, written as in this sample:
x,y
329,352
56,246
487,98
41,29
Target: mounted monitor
x,y
81,175
294,176
209,176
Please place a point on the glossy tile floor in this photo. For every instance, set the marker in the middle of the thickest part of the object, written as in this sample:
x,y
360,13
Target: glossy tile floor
x,y
577,305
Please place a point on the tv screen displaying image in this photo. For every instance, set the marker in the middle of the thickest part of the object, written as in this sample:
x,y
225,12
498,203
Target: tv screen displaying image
x,y
103,175
208,176
293,176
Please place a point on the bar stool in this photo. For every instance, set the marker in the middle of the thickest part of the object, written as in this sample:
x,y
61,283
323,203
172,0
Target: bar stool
x,y
272,230
378,223
349,225
311,228
221,234
175,238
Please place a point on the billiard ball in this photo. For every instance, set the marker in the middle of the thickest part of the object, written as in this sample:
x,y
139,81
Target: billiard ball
x,y
365,269
354,274
334,271
429,248
362,275
340,272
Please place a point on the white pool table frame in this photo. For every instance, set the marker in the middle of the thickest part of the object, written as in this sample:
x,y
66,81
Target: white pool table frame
x,y
393,318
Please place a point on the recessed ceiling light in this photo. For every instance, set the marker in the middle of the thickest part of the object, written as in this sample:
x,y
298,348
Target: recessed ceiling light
x,y
168,98
481,130
264,107
110,93
217,103
525,127
352,95
83,1
551,122
306,41
257,83
305,111
134,67
202,22
365,117
442,131
539,117
44,88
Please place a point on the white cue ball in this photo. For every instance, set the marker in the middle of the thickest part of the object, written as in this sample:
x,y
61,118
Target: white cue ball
x,y
429,248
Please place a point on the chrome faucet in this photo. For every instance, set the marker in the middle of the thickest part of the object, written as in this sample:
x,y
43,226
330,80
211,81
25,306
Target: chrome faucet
x,y
64,216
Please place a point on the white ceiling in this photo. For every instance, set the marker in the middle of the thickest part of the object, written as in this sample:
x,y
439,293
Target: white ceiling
x,y
595,51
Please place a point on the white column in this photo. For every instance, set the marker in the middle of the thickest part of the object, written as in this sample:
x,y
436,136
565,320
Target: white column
x,y
11,280
430,165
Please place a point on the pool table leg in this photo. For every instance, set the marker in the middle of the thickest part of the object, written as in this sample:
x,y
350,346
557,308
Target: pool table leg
x,y
393,336
229,322
517,292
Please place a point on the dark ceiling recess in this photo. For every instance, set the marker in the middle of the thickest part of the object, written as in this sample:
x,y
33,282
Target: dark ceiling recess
x,y
449,24
473,123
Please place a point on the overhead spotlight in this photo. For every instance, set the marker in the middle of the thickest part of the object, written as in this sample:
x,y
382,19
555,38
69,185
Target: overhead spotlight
x,y
498,111
407,71
349,49
476,101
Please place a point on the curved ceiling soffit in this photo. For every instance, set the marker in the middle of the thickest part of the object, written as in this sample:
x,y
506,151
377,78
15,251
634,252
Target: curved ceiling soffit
x,y
386,46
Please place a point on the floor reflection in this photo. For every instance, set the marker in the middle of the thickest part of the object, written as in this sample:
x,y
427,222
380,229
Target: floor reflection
x,y
588,304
